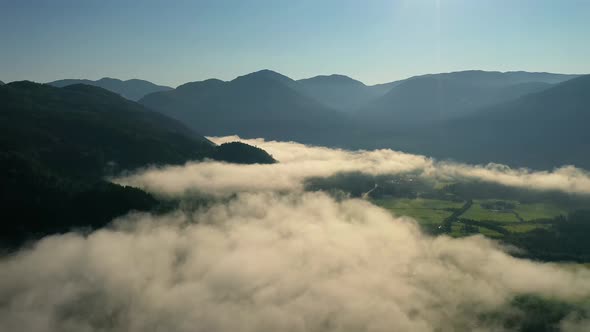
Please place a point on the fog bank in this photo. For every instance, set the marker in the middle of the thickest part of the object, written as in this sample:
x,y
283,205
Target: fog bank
x,y
298,162
270,262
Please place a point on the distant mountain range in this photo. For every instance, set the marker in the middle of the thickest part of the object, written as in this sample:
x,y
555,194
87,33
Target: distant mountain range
x,y
423,114
431,98
539,130
415,115
261,104
543,130
133,89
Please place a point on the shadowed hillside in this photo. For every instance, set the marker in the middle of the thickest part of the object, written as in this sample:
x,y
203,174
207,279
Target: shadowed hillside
x,y
261,104
430,98
541,130
81,129
58,144
340,92
241,153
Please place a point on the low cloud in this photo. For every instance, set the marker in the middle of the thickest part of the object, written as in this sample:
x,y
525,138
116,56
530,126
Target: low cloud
x,y
272,262
272,257
299,162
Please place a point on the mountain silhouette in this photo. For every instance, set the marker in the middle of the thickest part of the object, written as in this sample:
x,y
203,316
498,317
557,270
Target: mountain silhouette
x,y
438,97
340,92
133,89
541,130
261,104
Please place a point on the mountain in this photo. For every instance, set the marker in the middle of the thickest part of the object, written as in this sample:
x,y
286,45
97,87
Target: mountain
x,y
1,83
384,88
133,89
426,96
541,130
81,129
340,92
58,144
241,153
437,97
261,104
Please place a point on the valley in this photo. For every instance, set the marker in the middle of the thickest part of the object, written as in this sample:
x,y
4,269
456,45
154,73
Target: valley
x,y
296,166
528,219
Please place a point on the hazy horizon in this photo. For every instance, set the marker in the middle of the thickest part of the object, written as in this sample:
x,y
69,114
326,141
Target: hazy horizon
x,y
375,42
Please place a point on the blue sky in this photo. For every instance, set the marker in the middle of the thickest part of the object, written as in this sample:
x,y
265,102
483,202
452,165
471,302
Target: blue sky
x,y
172,42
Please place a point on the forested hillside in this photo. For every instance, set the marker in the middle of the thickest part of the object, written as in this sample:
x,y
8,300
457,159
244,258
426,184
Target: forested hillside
x,y
58,144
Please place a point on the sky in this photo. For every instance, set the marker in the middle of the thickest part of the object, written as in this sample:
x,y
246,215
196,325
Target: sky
x,y
173,42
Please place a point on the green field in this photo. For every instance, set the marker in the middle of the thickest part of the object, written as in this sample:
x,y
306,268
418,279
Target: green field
x,y
426,211
479,213
458,230
530,212
548,226
432,212
527,212
523,227
489,232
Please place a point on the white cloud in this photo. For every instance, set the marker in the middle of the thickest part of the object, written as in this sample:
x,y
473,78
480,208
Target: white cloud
x,y
298,162
270,262
275,258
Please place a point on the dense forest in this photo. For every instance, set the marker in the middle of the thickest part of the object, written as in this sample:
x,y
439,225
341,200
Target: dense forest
x,y
58,144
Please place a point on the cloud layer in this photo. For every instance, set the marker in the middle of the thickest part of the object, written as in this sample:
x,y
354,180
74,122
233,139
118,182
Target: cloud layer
x,y
276,258
271,262
298,162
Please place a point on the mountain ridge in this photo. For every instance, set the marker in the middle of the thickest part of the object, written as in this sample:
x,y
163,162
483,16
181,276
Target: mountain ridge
x,y
339,92
429,98
57,146
542,130
263,103
132,89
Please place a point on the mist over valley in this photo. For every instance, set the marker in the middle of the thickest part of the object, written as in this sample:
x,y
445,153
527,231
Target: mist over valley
x,y
307,166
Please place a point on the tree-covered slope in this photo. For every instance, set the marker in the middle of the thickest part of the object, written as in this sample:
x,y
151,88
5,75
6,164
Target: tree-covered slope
x,y
36,201
58,144
241,153
83,130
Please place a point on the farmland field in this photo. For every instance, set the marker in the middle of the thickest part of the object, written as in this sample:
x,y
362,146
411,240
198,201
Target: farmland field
x,y
510,215
538,211
524,227
425,211
480,213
